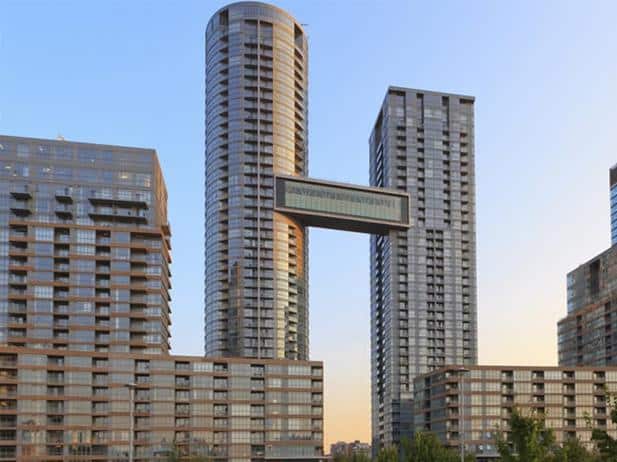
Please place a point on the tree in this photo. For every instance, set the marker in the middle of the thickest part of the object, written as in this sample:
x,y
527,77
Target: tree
x,y
573,451
607,445
527,441
426,447
175,454
351,458
388,454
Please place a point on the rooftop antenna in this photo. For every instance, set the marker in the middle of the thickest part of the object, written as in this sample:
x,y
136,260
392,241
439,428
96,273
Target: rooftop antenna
x,y
60,137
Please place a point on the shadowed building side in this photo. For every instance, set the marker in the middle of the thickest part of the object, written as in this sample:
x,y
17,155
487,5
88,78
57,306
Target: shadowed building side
x,y
423,279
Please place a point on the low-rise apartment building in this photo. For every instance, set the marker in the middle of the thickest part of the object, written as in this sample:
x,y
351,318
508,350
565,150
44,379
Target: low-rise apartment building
x,y
77,406
474,402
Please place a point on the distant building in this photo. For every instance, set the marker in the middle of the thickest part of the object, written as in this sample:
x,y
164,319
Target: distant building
x,y
349,449
613,194
423,279
588,334
473,405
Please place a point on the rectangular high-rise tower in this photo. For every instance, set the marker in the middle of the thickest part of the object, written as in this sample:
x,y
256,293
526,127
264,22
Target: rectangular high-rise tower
x,y
85,247
423,280
613,193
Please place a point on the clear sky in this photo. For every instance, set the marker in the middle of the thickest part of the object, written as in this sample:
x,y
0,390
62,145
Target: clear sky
x,y
544,74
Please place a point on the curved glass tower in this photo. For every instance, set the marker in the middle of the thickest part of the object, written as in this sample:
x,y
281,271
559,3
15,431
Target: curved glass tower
x,y
256,269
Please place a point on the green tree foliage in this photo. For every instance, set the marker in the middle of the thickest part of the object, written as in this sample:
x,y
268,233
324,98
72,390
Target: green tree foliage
x,y
174,454
573,451
426,447
352,458
389,454
607,445
528,440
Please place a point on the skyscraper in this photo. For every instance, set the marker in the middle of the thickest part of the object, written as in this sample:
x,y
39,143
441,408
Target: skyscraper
x,y
256,126
423,280
613,193
85,247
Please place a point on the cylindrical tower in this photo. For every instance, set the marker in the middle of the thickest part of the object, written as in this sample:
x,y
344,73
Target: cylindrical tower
x,y
256,260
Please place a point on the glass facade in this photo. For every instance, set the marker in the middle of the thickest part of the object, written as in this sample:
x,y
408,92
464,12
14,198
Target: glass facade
x,y
75,406
475,404
613,194
256,127
587,334
423,280
84,252
341,200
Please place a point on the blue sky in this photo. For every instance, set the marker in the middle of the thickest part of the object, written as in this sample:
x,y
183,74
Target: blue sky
x,y
544,75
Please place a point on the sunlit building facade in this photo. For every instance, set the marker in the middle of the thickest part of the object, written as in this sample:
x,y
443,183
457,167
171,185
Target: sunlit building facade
x,y
84,248
256,126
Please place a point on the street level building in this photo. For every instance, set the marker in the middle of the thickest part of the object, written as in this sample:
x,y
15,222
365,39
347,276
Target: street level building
x,y
58,405
423,279
84,247
472,404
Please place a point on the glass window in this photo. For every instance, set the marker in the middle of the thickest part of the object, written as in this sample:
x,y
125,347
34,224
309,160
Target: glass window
x,y
44,234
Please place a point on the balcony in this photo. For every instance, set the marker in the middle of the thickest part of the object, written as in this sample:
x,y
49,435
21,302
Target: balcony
x,y
99,379
120,215
55,361
142,380
62,237
64,195
55,450
100,408
55,408
21,209
183,382
8,421
183,410
124,202
17,308
64,212
21,192
55,379
55,420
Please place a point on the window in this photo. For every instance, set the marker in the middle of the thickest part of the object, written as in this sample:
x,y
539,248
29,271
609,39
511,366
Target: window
x,y
85,236
23,151
43,291
44,234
